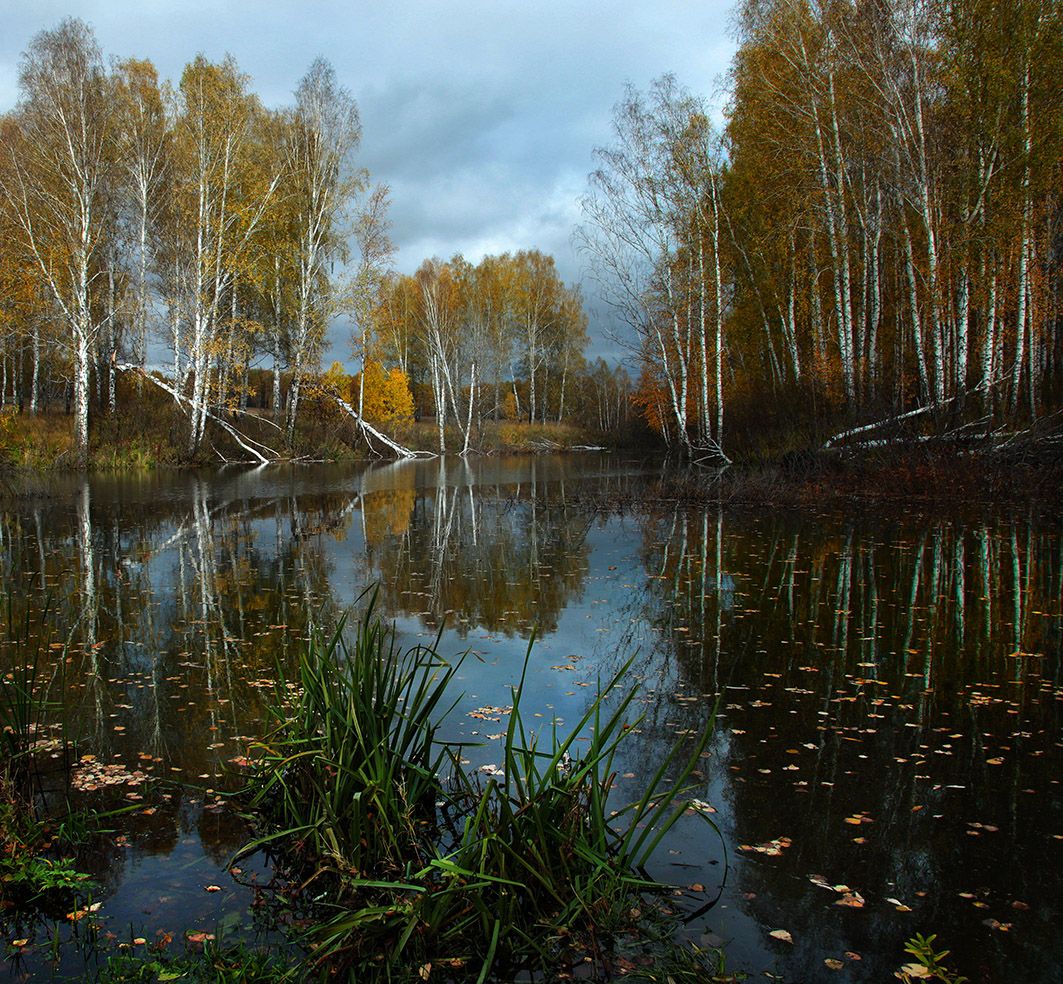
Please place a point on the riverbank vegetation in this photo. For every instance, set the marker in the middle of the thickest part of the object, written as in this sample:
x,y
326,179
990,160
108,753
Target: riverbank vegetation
x,y
389,859
187,228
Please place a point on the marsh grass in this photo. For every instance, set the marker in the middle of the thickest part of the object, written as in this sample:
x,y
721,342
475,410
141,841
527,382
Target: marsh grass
x,y
34,870
407,863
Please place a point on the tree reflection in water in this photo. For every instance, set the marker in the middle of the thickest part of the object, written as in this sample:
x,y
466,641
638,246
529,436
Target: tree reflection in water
x,y
888,687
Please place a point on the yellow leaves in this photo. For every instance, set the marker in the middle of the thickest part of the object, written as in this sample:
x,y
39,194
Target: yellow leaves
x,y
851,900
334,379
386,395
78,914
772,848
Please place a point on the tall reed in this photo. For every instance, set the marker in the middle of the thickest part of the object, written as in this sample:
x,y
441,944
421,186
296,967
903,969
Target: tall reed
x,y
419,864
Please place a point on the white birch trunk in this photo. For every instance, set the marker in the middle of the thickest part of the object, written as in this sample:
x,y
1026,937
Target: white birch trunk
x,y
1024,245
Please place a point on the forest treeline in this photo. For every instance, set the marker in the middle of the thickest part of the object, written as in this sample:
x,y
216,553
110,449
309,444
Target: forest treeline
x,y
139,216
874,231
871,236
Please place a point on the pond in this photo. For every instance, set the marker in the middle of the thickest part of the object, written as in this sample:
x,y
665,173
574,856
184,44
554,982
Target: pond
x,y
886,751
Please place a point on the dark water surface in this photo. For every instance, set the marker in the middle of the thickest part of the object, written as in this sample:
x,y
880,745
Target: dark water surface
x,y
886,758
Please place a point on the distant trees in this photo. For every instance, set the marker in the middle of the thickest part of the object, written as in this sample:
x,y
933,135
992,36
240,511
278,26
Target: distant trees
x,y
134,212
471,336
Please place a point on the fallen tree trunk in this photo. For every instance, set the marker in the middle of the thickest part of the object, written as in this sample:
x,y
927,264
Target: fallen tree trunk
x,y
708,451
875,425
181,400
370,431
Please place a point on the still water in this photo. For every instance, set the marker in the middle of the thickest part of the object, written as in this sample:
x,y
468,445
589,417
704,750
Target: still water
x,y
886,753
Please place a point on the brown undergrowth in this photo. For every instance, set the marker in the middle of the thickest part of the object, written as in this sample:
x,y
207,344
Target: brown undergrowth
x,y
899,476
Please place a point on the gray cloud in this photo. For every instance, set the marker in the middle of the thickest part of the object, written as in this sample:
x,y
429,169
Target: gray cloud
x,y
481,116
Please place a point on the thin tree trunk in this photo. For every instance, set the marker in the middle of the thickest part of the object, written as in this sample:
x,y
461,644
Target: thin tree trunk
x,y
35,380
1024,246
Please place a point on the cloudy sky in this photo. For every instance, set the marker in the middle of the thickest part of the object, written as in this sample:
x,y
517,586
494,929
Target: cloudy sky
x,y
481,116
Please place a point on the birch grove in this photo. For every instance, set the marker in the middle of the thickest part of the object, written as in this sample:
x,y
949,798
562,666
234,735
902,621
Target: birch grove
x,y
873,230
185,219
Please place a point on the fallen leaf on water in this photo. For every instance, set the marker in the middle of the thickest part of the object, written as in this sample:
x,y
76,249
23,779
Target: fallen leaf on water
x,y
781,934
899,905
833,963
853,900
212,888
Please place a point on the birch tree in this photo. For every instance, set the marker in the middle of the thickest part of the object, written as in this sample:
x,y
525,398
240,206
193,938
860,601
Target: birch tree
x,y
220,208
57,187
325,130
144,138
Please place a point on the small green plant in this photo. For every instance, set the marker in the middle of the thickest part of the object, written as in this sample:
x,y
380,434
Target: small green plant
x,y
415,864
928,965
40,875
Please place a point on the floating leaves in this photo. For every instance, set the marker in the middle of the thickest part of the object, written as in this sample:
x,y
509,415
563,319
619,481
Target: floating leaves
x,y
489,713
90,775
772,848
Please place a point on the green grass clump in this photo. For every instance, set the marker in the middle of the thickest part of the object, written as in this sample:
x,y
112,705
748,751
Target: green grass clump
x,y
216,964
408,863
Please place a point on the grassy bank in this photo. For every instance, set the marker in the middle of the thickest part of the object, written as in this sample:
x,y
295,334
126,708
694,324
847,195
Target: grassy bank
x,y
154,435
901,475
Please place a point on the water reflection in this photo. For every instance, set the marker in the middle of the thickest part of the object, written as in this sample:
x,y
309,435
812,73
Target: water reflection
x,y
888,688
889,724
